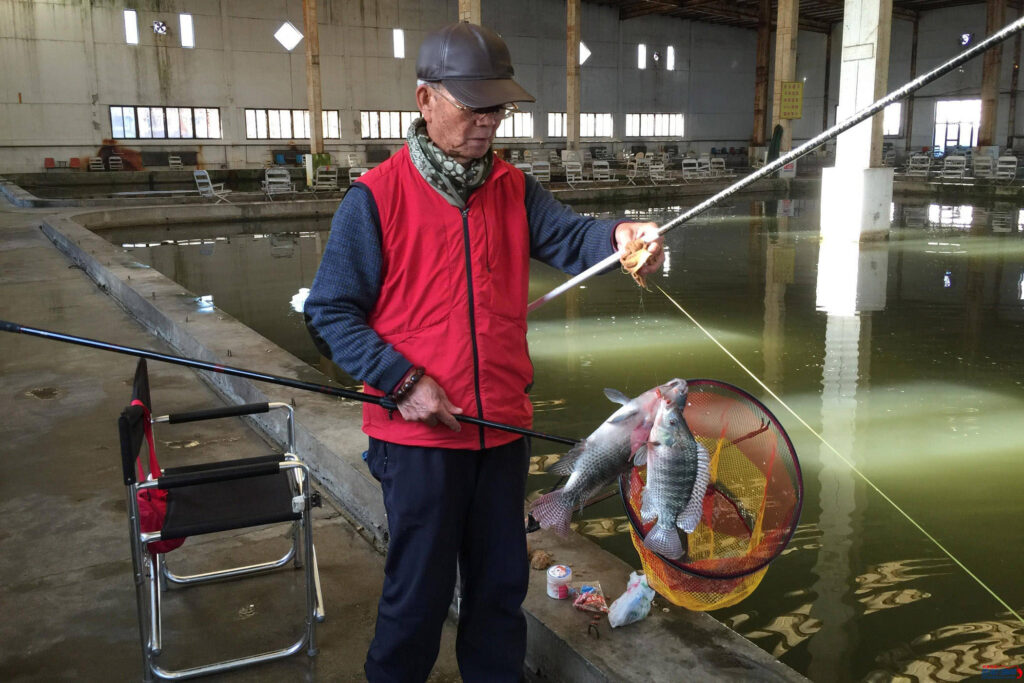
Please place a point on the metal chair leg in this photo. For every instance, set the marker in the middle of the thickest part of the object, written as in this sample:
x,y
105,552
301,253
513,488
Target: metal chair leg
x,y
152,576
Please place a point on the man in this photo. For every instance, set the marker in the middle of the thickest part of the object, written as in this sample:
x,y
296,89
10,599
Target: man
x,y
422,294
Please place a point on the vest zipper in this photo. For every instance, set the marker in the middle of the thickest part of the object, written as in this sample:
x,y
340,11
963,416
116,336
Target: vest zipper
x,y
472,322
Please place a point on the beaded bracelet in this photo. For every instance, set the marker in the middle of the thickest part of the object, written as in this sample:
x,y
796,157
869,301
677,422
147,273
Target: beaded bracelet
x,y
406,386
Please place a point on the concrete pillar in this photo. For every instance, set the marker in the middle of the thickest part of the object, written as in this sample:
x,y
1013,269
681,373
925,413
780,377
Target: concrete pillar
x,y
995,18
857,193
469,10
786,27
572,75
764,34
1011,123
316,137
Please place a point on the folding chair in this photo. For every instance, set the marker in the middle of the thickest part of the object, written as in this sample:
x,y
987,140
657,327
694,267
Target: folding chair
x,y
603,171
174,162
207,189
355,172
96,164
115,163
209,498
326,180
276,181
542,171
1006,168
573,173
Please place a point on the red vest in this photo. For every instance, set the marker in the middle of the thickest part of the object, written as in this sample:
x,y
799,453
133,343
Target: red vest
x,y
454,289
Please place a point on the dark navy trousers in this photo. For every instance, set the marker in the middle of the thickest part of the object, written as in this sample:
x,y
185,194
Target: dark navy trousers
x,y
445,507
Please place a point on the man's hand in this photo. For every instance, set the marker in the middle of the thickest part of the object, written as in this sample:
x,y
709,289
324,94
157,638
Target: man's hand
x,y
648,232
428,403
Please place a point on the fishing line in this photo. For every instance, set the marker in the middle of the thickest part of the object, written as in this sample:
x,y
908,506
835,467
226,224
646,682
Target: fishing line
x,y
848,463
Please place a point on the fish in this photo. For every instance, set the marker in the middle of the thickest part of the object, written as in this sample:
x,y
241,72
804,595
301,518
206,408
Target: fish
x,y
598,460
677,478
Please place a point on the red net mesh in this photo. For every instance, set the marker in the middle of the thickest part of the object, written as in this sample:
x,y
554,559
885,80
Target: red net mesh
x,y
751,507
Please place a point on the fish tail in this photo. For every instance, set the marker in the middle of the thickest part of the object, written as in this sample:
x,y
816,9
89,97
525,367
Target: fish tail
x,y
552,511
664,540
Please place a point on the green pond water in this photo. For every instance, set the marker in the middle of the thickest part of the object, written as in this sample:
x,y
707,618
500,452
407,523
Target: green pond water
x,y
905,355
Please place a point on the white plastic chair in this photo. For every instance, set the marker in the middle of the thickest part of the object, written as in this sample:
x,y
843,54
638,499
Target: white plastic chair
x,y
1006,169
691,170
115,163
525,168
603,172
326,179
920,166
573,173
174,162
542,171
96,164
208,189
277,181
953,168
983,167
657,172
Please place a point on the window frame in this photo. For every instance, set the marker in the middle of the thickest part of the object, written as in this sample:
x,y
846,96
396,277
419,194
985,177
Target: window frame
x,y
211,119
371,119
594,121
646,125
260,119
521,122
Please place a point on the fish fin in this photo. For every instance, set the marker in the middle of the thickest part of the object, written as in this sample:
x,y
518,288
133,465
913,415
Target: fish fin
x,y
640,457
616,396
567,462
621,415
648,513
552,512
664,540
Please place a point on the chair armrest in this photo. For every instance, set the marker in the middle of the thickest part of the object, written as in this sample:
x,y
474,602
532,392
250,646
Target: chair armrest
x,y
215,413
209,476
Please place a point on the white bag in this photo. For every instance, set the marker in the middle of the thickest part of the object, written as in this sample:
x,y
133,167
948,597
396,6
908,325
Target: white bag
x,y
634,604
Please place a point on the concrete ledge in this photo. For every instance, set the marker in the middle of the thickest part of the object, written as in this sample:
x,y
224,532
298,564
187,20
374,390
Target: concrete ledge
x,y
670,645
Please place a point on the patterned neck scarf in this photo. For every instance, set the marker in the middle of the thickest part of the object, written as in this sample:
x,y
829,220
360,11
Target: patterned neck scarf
x,y
454,181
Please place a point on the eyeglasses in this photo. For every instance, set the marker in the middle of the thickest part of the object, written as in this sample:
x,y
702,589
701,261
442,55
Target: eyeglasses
x,y
498,111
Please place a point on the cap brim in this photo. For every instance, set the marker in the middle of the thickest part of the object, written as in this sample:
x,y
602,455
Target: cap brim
x,y
487,93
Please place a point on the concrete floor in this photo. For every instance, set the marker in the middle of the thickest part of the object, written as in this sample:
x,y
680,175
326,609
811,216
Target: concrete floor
x,y
66,590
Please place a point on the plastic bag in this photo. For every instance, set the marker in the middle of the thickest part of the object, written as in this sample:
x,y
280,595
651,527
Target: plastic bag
x,y
589,597
634,604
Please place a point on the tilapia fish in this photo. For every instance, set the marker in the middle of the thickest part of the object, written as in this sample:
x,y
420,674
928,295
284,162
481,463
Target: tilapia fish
x,y
598,460
677,479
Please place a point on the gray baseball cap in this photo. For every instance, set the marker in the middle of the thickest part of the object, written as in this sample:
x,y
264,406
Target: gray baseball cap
x,y
473,63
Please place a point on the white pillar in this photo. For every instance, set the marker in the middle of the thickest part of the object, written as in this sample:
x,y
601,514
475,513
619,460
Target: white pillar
x,y
857,193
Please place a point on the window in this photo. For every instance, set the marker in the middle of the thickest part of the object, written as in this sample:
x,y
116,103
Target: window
x,y
892,120
641,56
957,123
670,58
188,35
288,36
398,35
519,125
131,27
288,124
584,53
591,125
654,125
157,123
382,125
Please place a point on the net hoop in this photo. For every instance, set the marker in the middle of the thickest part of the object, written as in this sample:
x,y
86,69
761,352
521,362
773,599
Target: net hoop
x,y
721,569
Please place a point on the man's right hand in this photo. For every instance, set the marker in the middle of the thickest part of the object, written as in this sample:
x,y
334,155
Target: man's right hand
x,y
428,403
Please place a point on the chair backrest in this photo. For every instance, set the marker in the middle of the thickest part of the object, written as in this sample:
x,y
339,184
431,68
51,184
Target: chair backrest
x,y
115,163
717,164
277,176
525,168
48,162
355,172
353,158
75,162
96,164
203,183
983,166
657,170
132,423
326,176
573,171
602,171
514,155
542,171
1006,167
174,161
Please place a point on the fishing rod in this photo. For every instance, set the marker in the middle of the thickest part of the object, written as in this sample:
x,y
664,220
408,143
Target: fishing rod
x,y
382,401
803,149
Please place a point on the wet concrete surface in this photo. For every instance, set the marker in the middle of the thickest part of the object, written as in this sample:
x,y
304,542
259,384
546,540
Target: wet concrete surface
x,y
65,569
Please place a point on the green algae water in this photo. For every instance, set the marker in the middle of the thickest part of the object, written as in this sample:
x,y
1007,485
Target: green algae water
x,y
905,355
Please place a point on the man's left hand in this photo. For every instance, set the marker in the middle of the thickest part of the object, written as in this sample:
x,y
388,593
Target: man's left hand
x,y
648,232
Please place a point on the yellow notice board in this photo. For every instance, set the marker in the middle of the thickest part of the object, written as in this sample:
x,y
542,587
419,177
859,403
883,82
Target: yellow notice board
x,y
792,105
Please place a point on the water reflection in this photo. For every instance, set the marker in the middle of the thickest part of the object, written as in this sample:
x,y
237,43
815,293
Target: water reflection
x,y
919,383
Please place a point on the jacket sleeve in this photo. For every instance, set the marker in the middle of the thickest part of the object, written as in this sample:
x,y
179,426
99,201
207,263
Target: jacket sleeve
x,y
345,291
562,238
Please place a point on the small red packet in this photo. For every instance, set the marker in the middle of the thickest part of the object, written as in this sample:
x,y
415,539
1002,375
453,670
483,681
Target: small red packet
x,y
588,597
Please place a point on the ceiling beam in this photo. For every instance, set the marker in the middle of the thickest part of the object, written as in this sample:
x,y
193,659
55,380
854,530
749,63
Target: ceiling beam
x,y
897,12
709,10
